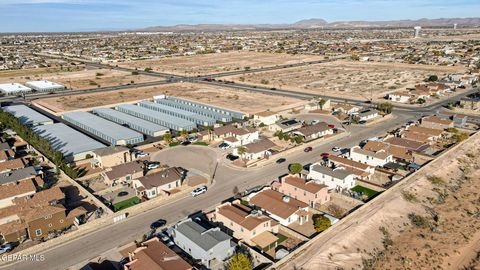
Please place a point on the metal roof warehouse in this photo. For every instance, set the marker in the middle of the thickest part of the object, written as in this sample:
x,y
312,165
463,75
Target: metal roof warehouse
x,y
201,111
160,118
190,116
73,144
28,116
135,123
111,132
43,86
13,88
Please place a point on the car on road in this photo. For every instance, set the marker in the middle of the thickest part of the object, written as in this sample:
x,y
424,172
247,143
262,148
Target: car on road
x,y
224,146
308,149
325,155
157,224
199,191
6,248
336,149
363,122
281,160
122,193
232,157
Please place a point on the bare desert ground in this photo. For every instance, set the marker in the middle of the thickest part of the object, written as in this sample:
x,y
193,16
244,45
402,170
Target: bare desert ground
x,y
345,78
82,79
218,62
429,221
235,100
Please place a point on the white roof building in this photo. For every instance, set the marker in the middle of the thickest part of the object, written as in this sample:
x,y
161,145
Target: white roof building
x,y
43,86
13,88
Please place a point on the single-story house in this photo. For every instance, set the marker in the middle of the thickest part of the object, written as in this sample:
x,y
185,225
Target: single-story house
x,y
159,183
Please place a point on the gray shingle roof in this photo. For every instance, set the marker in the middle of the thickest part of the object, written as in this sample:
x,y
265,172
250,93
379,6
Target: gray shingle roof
x,y
338,173
205,239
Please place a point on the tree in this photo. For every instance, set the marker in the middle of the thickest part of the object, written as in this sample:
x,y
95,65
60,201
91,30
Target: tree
x,y
321,223
241,150
298,139
321,103
167,137
385,107
183,133
459,137
295,168
240,261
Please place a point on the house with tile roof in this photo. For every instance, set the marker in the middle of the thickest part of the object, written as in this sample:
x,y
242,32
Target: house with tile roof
x,y
159,183
309,192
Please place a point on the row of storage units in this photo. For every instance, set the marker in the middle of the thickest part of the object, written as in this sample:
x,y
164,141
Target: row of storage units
x,y
109,131
167,120
193,104
190,116
140,125
200,111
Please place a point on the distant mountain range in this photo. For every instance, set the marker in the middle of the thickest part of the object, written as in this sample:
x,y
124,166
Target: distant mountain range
x,y
318,23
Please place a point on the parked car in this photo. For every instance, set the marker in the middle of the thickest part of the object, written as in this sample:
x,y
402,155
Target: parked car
x,y
336,149
6,248
162,236
307,166
325,155
122,193
185,143
281,160
232,157
363,122
141,154
308,149
224,146
157,224
199,191
153,165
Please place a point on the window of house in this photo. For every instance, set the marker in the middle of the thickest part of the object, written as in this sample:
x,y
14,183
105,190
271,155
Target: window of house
x,y
254,232
38,232
241,229
128,177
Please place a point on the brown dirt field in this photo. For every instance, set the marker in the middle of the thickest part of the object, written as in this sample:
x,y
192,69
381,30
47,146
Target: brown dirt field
x,y
84,79
383,236
347,78
231,99
218,62
21,75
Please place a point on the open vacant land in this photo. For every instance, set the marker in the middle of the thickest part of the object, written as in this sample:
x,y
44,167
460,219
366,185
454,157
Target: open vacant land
x,y
83,79
344,78
431,221
236,100
218,62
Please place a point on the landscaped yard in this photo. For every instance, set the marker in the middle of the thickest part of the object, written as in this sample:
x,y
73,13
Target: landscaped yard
x,y
126,203
366,191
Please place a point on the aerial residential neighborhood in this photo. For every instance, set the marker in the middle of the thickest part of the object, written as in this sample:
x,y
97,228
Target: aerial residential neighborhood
x,y
239,135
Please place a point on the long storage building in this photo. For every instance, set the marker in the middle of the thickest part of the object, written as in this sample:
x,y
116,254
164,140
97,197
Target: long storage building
x,y
132,122
201,111
111,132
190,116
72,144
27,115
234,114
44,86
166,120
13,88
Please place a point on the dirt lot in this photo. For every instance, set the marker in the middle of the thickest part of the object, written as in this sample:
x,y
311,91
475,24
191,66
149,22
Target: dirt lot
x,y
218,62
231,99
23,75
345,78
430,221
82,79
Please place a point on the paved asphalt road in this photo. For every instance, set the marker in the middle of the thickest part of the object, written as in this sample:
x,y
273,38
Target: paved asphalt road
x,y
107,238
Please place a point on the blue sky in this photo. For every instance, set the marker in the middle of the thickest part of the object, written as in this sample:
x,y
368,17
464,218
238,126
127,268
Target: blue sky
x,y
90,15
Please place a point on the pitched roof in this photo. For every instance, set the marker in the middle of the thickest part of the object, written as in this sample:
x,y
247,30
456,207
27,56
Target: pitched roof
x,y
313,129
12,164
381,154
206,239
438,120
272,201
302,184
414,136
259,146
424,130
160,178
154,255
17,175
241,216
409,144
337,173
110,150
348,162
16,188
125,169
